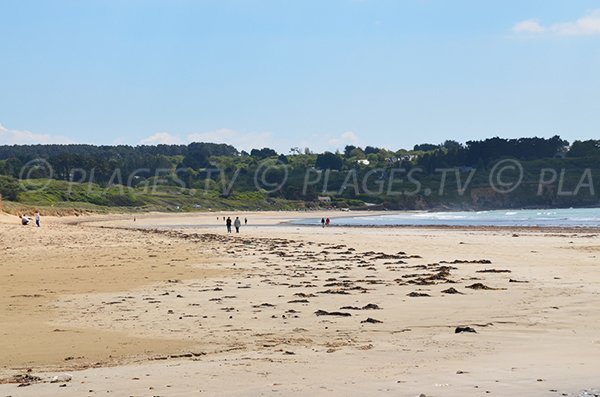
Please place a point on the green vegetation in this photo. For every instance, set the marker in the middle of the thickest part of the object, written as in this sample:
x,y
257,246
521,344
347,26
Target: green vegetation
x,y
90,197
205,176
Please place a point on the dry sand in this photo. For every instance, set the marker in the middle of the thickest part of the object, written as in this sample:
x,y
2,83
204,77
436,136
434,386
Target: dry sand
x,y
170,305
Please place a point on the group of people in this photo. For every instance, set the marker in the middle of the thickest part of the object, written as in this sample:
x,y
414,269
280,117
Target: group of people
x,y
237,223
25,219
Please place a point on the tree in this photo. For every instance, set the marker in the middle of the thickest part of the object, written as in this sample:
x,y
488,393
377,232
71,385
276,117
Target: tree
x,y
589,148
282,159
13,166
348,150
370,149
425,147
263,153
358,154
329,160
452,145
198,153
9,188
197,157
522,148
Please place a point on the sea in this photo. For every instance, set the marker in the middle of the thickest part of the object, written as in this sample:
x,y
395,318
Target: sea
x,y
563,217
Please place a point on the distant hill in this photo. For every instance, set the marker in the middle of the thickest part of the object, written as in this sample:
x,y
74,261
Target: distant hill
x,y
485,174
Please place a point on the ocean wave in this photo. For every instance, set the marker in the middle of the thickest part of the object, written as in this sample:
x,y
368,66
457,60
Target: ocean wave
x,y
551,217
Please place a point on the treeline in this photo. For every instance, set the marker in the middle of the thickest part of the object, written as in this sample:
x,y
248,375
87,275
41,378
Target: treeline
x,y
22,161
480,153
226,171
475,154
104,159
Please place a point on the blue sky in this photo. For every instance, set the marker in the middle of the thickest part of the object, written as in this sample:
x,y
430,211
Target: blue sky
x,y
321,74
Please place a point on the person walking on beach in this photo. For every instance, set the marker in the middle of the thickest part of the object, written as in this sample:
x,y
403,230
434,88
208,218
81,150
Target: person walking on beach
x,y
228,223
327,222
322,222
245,221
237,223
37,218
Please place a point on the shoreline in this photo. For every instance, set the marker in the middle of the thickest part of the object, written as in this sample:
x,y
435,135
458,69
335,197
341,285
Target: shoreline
x,y
491,228
331,213
290,217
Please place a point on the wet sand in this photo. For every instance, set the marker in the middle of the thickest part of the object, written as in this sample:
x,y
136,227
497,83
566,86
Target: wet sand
x,y
171,305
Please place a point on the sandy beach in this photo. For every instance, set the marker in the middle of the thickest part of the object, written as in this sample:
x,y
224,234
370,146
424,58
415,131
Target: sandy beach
x,y
171,305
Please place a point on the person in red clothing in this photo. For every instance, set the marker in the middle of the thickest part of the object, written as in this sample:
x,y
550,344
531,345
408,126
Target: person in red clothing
x,y
327,221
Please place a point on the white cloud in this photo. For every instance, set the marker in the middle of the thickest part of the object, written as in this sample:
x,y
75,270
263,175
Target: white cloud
x,y
24,137
584,26
587,25
346,138
528,26
163,138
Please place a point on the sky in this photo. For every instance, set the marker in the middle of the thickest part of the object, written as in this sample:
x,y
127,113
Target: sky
x,y
320,74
